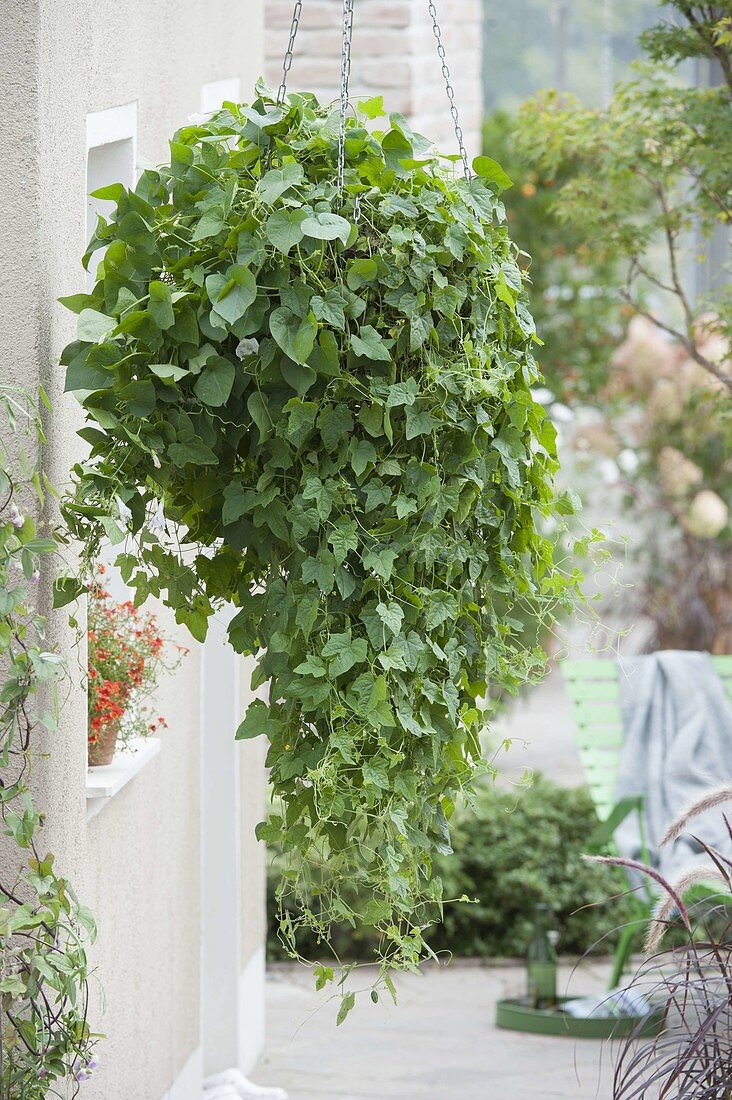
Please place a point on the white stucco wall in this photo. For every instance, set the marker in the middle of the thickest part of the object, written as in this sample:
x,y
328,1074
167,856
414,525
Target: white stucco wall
x,y
137,864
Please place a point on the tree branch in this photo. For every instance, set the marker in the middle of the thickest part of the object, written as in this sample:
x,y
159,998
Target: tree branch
x,y
688,344
710,47
641,269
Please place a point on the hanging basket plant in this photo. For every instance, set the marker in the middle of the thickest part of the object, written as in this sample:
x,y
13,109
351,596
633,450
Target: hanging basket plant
x,y
314,404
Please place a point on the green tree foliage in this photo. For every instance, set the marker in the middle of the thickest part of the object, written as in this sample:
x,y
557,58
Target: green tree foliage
x,y
693,31
323,402
653,170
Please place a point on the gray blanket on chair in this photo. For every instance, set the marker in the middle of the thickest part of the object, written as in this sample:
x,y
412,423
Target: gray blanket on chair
x,y
677,724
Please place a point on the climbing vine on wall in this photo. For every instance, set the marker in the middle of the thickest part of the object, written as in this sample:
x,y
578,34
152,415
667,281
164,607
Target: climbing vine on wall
x,y
46,1040
316,406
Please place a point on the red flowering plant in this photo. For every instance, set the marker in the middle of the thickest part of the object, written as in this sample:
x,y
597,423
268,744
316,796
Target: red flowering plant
x,y
127,653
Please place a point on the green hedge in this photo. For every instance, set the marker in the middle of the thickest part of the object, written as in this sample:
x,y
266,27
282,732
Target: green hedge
x,y
518,848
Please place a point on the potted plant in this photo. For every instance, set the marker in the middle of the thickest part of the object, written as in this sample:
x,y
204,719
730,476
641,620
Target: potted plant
x,y
126,655
310,362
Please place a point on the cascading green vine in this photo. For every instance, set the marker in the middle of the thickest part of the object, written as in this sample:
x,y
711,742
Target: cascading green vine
x,y
317,407
46,1042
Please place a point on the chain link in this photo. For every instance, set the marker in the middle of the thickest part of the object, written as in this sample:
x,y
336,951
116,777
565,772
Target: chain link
x,y
449,89
287,60
347,38
345,78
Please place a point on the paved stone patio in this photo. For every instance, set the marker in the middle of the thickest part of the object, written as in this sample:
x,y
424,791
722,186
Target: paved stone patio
x,y
440,1042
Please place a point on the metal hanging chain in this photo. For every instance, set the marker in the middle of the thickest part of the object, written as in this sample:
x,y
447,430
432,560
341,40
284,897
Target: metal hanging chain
x,y
449,89
347,39
287,60
345,78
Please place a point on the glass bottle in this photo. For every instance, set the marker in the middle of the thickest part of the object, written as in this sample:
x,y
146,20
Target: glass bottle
x,y
541,961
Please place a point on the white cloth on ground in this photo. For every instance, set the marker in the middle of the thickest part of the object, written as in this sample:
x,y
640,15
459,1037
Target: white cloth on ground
x,y
233,1085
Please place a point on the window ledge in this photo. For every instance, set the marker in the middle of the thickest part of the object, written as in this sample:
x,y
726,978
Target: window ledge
x,y
103,783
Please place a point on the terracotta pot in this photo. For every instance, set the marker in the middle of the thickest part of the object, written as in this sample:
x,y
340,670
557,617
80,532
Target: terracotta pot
x,y
101,751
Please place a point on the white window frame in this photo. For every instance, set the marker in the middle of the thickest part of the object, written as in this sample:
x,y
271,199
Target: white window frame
x,y
105,128
216,92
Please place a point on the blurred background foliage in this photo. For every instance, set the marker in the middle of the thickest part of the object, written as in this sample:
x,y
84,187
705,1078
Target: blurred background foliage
x,y
577,46
573,292
623,201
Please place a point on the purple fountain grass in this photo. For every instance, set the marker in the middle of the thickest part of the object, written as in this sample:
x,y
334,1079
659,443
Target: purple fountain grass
x,y
691,1058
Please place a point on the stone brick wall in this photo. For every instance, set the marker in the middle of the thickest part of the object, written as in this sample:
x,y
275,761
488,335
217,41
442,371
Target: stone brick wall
x,y
394,55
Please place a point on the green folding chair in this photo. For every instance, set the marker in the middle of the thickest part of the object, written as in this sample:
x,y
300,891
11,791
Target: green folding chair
x,y
593,686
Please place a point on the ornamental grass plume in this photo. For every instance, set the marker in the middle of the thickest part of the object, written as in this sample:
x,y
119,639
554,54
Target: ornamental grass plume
x,y
672,904
666,908
709,801
636,865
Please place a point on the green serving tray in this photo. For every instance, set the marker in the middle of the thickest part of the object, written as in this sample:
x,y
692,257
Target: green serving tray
x,y
518,1015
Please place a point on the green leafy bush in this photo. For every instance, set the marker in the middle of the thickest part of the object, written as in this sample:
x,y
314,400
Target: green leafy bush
x,y
521,848
317,406
514,850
